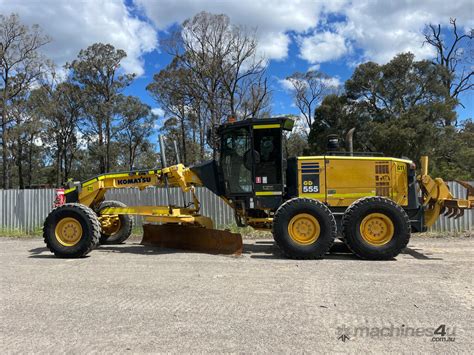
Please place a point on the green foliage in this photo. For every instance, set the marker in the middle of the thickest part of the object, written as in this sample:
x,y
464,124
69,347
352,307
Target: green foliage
x,y
335,115
402,109
453,156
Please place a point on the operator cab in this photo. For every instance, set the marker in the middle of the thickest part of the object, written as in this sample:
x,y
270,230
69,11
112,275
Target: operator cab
x,y
251,161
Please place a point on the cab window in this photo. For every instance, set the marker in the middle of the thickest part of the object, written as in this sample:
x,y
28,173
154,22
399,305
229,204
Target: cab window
x,y
235,148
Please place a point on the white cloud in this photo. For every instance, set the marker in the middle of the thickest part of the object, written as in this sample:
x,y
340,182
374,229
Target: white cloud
x,y
375,29
158,111
78,24
272,19
366,29
286,84
323,47
332,82
382,29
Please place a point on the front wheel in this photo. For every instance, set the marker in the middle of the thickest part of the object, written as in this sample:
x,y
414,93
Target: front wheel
x,y
71,230
376,228
304,228
117,228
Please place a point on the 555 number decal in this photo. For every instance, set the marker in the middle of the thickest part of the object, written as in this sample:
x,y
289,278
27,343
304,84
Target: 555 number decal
x,y
310,186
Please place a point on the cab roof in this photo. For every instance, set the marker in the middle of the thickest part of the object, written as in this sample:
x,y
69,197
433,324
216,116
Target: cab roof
x,y
284,122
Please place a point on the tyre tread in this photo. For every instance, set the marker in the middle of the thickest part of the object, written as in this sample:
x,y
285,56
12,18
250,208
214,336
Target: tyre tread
x,y
348,216
95,230
289,204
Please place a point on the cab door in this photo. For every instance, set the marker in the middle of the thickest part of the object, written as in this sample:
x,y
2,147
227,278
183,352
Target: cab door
x,y
268,165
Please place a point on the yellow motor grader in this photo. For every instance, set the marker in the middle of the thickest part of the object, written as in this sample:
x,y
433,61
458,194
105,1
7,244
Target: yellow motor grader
x,y
372,203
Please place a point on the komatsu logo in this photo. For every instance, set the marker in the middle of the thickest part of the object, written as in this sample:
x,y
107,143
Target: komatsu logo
x,y
139,180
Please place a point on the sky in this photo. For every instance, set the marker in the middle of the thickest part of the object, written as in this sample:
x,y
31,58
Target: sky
x,y
333,36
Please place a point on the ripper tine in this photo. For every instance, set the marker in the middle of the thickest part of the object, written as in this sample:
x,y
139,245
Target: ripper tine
x,y
445,211
460,213
454,210
442,210
448,211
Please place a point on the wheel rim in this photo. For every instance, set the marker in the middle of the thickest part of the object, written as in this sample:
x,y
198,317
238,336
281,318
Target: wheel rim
x,y
111,225
304,229
377,229
68,231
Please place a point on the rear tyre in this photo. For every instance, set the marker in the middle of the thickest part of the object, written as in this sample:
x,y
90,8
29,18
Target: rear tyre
x,y
304,228
118,229
376,228
71,230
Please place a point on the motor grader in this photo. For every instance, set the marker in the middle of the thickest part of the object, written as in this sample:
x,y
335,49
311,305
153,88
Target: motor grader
x,y
371,202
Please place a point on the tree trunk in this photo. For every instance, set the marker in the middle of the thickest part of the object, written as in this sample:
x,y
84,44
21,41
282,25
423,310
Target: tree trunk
x,y
183,141
5,169
30,162
4,153
102,165
19,163
131,156
107,145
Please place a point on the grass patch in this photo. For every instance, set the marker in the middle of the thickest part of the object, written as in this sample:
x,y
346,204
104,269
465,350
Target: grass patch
x,y
18,233
453,234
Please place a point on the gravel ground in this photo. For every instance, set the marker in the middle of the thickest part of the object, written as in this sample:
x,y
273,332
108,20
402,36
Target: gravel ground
x,y
135,299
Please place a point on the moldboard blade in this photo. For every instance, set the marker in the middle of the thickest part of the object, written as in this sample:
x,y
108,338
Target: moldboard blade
x,y
193,238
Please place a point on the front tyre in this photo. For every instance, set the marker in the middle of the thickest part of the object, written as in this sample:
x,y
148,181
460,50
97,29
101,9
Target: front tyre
x,y
376,228
304,228
71,230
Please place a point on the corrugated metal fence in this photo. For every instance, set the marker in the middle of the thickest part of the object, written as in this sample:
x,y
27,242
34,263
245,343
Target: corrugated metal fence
x,y
25,210
211,205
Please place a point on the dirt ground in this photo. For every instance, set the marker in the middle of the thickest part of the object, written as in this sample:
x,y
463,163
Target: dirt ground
x,y
136,299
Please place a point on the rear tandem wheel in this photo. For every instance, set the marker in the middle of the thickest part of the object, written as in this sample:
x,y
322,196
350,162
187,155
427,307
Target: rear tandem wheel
x,y
304,228
376,228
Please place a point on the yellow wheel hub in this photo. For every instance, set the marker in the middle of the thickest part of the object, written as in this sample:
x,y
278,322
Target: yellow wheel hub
x,y
377,229
110,225
68,231
304,229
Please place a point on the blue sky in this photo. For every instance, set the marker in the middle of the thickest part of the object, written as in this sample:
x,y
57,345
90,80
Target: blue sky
x,y
282,102
295,35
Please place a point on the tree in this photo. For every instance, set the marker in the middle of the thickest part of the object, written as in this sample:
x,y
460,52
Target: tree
x,y
172,90
453,157
60,106
136,126
96,71
308,90
336,116
403,101
21,65
226,75
23,133
453,56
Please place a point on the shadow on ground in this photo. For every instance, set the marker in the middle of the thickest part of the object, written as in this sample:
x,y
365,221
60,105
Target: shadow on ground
x,y
260,249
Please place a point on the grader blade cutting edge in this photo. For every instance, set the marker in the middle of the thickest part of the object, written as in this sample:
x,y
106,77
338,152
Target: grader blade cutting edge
x,y
192,238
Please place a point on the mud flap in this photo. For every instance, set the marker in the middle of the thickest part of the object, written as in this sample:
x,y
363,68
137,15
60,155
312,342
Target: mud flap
x,y
192,238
